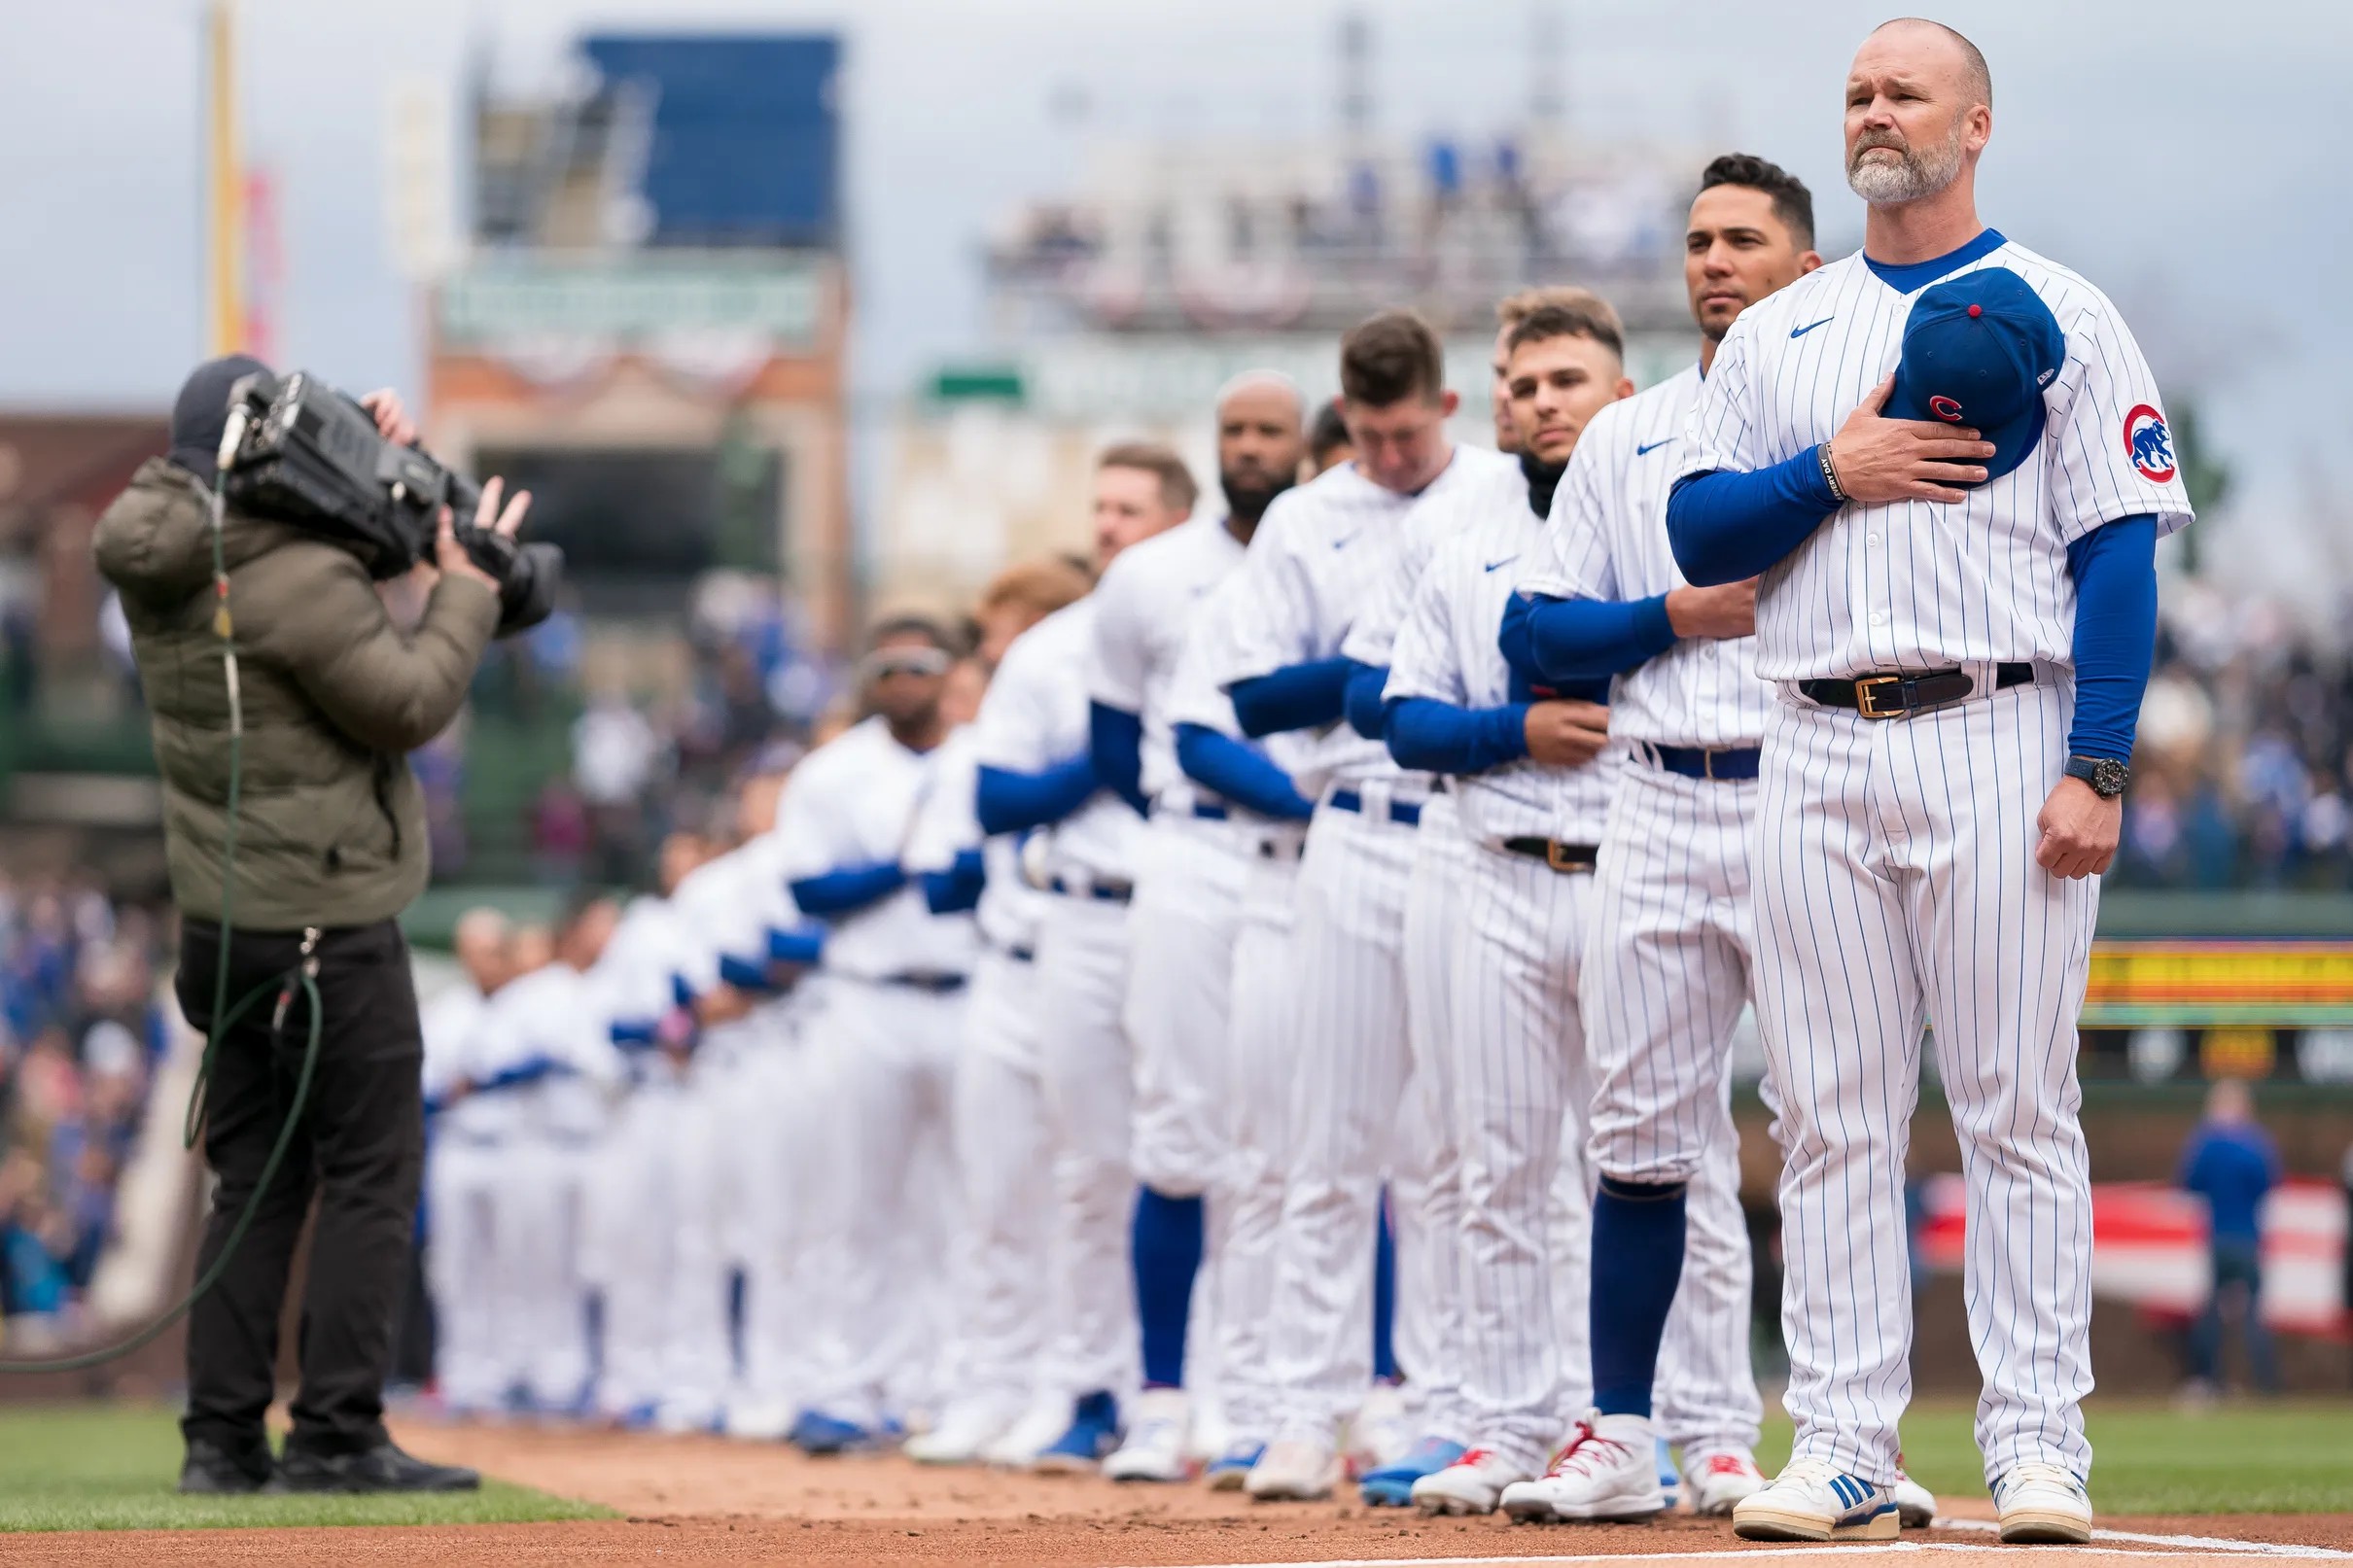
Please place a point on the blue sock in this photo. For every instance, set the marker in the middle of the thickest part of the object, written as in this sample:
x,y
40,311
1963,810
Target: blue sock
x,y
1638,1264
1164,1246
1384,1299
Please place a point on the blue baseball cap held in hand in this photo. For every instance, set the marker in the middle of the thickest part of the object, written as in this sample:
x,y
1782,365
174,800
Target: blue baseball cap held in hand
x,y
1977,351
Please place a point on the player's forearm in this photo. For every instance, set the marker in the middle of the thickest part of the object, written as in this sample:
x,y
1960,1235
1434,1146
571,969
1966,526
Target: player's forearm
x,y
804,945
1590,638
1297,696
1726,527
1436,737
1008,801
958,888
2115,573
1240,773
831,894
1115,740
1366,714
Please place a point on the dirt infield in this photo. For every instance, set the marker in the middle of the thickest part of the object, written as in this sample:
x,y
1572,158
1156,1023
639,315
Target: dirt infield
x,y
693,1501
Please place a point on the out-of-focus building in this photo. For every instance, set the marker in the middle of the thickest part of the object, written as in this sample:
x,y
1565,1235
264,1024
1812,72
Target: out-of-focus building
x,y
1119,309
643,321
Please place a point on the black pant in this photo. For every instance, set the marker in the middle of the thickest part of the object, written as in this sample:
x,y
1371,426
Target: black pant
x,y
360,1148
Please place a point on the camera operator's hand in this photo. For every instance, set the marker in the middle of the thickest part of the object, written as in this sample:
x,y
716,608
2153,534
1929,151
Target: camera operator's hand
x,y
392,420
452,556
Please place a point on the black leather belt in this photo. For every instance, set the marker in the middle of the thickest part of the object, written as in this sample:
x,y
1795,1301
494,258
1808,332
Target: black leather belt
x,y
930,985
1103,892
1697,762
1893,695
1404,812
1561,858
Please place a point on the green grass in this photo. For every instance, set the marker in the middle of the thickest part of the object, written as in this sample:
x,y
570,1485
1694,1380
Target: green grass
x,y
113,1468
2150,1458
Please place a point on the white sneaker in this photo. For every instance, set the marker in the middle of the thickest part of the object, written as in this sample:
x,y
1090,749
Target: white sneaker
x,y
963,1433
1471,1484
1230,1471
759,1420
1155,1446
1914,1504
1717,1479
1812,1500
1382,1433
1295,1471
2043,1503
1027,1438
1609,1470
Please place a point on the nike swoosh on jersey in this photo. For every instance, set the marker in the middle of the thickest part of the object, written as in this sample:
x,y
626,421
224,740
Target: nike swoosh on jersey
x,y
1506,561
1801,331
1652,446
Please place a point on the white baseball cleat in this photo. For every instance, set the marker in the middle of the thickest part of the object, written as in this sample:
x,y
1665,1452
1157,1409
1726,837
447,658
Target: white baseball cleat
x,y
1813,1500
1230,1471
1472,1485
760,1420
1295,1471
1155,1446
1914,1504
1382,1433
1719,1480
1609,1470
963,1433
2043,1503
1027,1438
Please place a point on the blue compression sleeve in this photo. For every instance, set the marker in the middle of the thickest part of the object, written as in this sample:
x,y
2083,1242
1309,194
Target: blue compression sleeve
x,y
529,1070
835,893
2115,573
1240,773
1006,801
1297,696
747,974
803,945
1574,639
1725,526
957,888
1115,740
1365,714
682,994
1438,736
632,1034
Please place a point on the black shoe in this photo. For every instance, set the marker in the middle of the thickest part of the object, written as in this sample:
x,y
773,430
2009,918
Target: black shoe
x,y
215,1470
383,1468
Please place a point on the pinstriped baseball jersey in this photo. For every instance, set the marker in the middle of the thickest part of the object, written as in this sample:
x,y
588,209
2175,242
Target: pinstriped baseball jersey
x,y
1607,540
1440,513
1035,718
1320,553
1918,584
947,824
1145,601
1195,696
1447,650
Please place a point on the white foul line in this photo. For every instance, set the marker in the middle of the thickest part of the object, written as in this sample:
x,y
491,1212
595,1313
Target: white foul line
x,y
2197,1542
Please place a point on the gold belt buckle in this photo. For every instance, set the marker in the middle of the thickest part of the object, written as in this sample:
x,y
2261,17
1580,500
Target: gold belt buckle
x,y
1866,685
1557,857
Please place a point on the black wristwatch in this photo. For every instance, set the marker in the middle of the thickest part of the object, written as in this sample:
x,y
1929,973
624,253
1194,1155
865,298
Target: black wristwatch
x,y
2106,776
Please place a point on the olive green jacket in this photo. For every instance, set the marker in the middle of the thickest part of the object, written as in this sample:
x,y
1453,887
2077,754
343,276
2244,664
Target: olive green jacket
x,y
332,827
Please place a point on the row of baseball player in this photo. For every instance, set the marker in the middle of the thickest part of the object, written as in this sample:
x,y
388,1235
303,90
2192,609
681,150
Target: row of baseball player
x,y
1374,873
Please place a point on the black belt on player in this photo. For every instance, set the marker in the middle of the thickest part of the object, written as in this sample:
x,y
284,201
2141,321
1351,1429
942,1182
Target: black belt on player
x,y
1561,858
1699,763
930,984
1103,892
1893,695
1288,847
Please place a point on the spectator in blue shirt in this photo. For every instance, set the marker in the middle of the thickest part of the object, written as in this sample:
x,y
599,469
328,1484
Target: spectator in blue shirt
x,y
2230,1163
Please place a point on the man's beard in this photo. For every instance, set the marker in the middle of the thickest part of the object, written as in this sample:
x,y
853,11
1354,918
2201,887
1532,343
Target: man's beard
x,y
1915,175
1246,497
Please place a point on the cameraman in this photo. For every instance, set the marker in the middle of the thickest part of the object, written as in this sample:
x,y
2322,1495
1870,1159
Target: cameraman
x,y
331,840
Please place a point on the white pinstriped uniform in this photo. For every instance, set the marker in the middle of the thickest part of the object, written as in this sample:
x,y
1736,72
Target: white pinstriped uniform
x,y
1666,969
1320,553
1034,718
1244,1208
1894,878
1512,1053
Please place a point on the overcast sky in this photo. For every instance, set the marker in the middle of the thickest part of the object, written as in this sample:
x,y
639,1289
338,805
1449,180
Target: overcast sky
x,y
2191,159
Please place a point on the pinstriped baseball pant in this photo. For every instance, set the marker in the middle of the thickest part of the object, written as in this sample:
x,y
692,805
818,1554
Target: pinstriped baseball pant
x,y
1666,975
1895,887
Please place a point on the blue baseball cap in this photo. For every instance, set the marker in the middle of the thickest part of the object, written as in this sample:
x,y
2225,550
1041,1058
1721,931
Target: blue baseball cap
x,y
1977,351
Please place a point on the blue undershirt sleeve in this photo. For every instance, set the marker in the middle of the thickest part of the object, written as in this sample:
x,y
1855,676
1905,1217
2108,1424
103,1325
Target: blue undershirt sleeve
x,y
835,893
1365,714
1725,527
1438,736
2115,573
804,945
747,974
957,888
1115,740
1583,639
1240,773
1297,696
1006,801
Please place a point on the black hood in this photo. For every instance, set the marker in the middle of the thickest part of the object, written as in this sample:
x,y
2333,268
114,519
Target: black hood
x,y
201,412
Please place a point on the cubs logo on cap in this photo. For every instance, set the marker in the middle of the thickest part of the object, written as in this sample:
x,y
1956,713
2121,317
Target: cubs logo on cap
x,y
1979,350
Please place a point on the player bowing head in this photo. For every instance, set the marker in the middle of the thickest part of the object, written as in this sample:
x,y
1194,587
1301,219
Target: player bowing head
x,y
1394,402
1141,488
1919,110
1750,232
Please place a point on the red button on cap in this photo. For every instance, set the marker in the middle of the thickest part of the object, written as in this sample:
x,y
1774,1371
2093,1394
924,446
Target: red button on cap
x,y
1975,311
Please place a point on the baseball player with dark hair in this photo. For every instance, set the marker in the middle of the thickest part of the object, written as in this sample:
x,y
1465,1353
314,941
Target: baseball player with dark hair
x,y
1945,462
